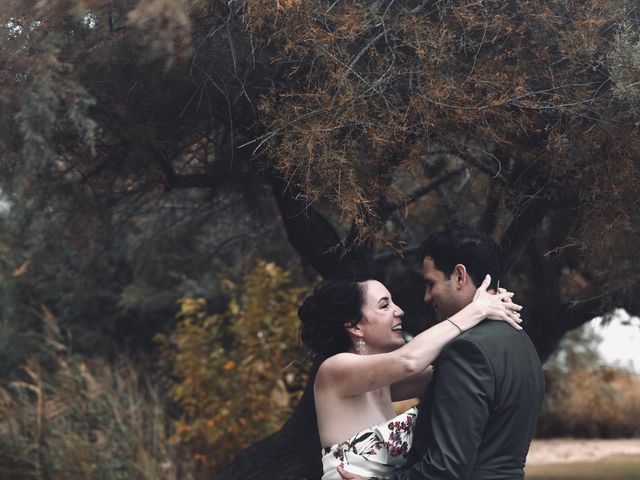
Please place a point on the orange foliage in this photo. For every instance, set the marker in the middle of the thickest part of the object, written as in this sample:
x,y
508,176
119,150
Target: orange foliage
x,y
235,374
369,82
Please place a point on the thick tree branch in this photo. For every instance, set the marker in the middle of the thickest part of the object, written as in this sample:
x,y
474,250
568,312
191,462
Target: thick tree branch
x,y
388,207
191,180
441,180
315,239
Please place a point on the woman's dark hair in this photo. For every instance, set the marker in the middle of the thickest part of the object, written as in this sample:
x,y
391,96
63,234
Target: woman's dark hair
x,y
324,314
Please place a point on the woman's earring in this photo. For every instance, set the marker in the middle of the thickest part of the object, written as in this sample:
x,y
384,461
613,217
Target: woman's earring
x,y
360,346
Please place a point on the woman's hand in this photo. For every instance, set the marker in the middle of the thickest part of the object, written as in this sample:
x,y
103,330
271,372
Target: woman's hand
x,y
497,306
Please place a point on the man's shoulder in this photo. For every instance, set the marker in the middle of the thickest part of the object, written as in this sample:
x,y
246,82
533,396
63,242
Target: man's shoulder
x,y
493,335
485,331
492,327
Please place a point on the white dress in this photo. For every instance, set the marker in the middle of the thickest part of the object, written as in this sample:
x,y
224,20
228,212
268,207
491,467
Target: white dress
x,y
377,451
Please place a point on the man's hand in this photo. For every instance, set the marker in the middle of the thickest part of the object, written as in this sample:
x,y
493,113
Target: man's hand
x,y
348,476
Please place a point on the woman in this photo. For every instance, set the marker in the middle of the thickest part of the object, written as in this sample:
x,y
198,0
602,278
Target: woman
x,y
355,329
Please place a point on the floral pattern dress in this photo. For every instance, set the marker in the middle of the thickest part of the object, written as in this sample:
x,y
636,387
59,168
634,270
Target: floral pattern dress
x,y
377,451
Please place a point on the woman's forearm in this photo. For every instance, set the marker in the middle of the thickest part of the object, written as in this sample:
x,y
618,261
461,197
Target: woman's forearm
x,y
470,316
424,348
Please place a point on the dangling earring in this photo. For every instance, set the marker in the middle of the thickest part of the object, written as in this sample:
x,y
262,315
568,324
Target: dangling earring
x,y
360,346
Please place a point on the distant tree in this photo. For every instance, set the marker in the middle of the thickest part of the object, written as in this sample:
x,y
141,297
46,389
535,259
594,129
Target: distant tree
x,y
578,350
373,122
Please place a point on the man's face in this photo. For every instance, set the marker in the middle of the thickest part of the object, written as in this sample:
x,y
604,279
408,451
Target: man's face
x,y
441,290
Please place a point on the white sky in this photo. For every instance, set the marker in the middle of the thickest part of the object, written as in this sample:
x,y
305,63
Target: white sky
x,y
621,340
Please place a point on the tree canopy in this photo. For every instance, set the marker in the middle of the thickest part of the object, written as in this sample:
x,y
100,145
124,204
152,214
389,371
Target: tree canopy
x,y
163,127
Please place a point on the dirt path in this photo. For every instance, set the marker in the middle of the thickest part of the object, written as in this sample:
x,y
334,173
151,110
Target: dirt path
x,y
568,450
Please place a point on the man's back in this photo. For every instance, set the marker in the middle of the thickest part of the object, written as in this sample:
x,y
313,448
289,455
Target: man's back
x,y
519,391
480,412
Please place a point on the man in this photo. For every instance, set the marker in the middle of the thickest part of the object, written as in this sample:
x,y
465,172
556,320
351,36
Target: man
x,y
479,413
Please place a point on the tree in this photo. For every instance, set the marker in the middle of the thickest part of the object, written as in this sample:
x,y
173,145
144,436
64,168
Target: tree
x,y
372,122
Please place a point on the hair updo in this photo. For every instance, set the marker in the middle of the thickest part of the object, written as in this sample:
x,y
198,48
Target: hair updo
x,y
324,314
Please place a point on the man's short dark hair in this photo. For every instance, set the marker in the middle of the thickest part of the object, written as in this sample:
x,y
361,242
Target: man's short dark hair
x,y
459,243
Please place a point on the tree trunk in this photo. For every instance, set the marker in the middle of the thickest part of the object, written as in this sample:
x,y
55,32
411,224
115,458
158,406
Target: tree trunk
x,y
291,453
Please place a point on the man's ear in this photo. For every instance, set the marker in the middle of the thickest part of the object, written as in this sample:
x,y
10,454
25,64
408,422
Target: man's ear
x,y
461,277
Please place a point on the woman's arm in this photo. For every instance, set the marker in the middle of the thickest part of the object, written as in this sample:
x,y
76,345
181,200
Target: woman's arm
x,y
411,387
349,374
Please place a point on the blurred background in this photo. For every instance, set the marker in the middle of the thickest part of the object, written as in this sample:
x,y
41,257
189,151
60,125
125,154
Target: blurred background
x,y
176,175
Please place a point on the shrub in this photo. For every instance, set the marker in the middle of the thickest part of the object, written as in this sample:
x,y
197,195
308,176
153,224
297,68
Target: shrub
x,y
235,375
84,423
601,402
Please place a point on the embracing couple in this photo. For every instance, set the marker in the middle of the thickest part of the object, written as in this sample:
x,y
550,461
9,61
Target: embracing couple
x,y
477,372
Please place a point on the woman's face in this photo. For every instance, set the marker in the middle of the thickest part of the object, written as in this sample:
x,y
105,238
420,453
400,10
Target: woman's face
x,y
381,323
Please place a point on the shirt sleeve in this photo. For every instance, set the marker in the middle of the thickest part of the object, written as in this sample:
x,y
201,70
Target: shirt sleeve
x,y
462,396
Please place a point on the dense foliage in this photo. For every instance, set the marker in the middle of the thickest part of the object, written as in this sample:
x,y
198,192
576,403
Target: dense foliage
x,y
236,376
232,377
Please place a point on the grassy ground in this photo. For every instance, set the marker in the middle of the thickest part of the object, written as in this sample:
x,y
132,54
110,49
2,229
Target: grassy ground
x,y
612,468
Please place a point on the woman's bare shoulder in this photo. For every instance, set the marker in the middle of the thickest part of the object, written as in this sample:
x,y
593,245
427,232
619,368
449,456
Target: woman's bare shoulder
x,y
336,367
336,362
